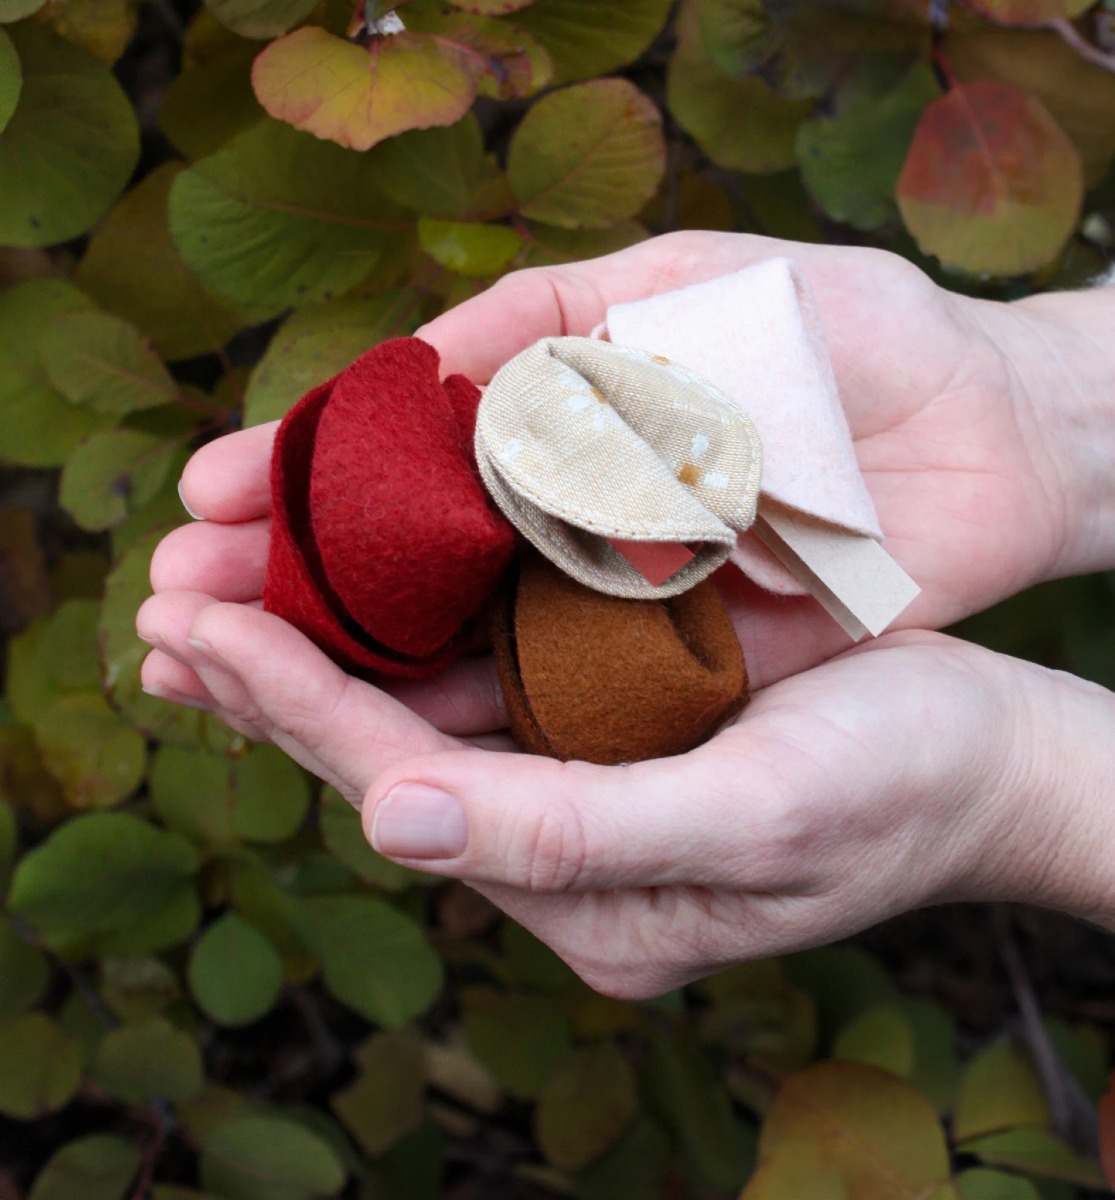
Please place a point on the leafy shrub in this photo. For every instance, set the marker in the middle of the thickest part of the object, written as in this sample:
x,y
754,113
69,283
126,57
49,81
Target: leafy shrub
x,y
207,978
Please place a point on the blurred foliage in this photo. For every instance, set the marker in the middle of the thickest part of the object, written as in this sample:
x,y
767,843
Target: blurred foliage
x,y
210,986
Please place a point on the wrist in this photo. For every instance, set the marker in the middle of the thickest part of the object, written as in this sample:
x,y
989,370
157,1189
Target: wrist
x,y
1060,349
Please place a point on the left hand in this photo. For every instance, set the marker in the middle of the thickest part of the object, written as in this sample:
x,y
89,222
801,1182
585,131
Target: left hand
x,y
912,771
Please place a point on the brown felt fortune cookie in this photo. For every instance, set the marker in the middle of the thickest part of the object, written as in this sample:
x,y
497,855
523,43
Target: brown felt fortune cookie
x,y
384,546
606,459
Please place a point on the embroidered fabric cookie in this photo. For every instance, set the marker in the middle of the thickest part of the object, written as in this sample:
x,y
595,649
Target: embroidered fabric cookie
x,y
609,680
384,545
582,443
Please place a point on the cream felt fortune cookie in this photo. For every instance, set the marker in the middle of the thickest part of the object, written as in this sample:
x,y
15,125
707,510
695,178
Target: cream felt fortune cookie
x,y
593,450
385,548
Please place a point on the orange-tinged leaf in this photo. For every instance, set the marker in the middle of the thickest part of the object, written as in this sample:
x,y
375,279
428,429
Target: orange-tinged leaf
x,y
1107,1132
1031,12
358,96
991,184
875,1132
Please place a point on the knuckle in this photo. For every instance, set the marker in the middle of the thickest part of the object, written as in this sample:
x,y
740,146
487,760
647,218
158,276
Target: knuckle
x,y
555,849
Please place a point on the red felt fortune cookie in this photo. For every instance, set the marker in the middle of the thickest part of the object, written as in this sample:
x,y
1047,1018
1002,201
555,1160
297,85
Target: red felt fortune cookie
x,y
384,545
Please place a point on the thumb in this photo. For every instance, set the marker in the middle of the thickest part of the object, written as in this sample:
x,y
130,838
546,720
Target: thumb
x,y
545,826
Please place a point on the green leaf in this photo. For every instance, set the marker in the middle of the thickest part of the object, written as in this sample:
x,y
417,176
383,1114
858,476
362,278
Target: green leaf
x,y
268,1158
635,1167
981,1183
587,156
437,172
96,756
70,147
103,27
850,162
549,245
936,1067
358,95
693,1100
881,1037
235,973
991,184
343,835
132,268
211,101
1031,12
98,1167
843,982
136,989
1000,1089
879,1137
465,248
738,35
68,652
40,427
100,872
260,18
16,10
111,474
742,124
11,79
375,960
149,1061
1037,1152
42,1067
384,1102
24,971
127,586
100,361
259,797
522,1039
588,38
9,843
587,1105
316,343
279,218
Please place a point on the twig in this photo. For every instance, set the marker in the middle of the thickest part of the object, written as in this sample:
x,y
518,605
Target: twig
x,y
1069,34
1070,1112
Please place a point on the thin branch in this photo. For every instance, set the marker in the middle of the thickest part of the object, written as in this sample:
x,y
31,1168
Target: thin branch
x,y
1069,34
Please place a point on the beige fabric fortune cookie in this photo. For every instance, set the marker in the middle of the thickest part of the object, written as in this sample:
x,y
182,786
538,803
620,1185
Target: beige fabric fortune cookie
x,y
580,443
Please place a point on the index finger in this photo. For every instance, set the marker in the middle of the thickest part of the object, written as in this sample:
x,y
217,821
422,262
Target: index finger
x,y
229,480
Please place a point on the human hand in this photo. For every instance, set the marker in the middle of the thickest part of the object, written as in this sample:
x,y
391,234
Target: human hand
x,y
961,464
912,771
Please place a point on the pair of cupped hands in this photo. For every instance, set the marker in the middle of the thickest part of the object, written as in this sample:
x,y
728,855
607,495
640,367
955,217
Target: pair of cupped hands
x,y
860,781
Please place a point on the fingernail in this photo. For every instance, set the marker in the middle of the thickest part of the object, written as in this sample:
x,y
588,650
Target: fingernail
x,y
198,644
196,516
416,821
173,697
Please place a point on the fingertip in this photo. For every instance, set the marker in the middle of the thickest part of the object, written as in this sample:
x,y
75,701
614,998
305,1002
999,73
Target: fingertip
x,y
229,479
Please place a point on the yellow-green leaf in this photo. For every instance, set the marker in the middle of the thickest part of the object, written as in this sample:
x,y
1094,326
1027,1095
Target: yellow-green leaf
x,y
356,96
70,146
589,38
991,185
588,156
150,1060
98,1167
315,343
100,361
278,218
490,8
586,1106
132,268
742,124
548,244
260,18
999,1089
738,35
436,172
138,988
1037,1152
210,102
11,79
876,1133
982,1183
103,27
384,1101
24,972
466,248
16,10
42,1067
881,1037
521,1038
1031,12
